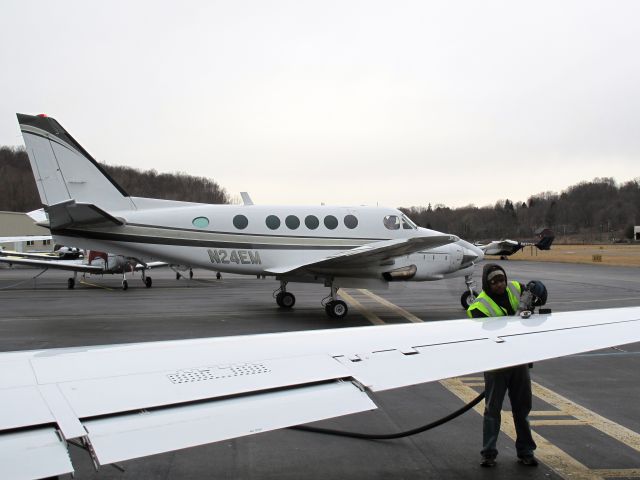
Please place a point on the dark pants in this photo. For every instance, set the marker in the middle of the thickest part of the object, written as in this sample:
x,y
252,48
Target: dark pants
x,y
517,382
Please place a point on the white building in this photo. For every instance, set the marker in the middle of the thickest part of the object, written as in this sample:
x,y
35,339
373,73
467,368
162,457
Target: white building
x,y
33,238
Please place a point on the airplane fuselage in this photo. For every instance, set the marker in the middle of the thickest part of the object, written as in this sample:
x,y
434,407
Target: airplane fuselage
x,y
254,239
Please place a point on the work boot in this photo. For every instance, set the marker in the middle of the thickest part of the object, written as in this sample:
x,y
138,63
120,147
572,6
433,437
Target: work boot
x,y
488,462
529,461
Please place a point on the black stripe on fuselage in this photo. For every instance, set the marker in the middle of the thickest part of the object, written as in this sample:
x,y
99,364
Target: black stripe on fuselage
x,y
187,242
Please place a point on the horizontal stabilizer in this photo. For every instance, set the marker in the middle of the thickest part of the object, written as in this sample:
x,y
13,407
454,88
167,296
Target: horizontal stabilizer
x,y
68,214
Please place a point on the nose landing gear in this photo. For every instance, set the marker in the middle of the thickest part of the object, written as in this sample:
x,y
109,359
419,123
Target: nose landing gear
x,y
470,295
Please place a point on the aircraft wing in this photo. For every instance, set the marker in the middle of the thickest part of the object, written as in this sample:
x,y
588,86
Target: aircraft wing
x,y
129,401
370,254
69,265
36,255
502,247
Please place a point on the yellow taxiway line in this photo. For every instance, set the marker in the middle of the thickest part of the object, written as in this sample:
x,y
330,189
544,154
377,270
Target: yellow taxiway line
x,y
372,317
393,307
561,462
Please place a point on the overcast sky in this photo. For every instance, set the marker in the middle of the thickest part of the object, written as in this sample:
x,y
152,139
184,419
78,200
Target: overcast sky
x,y
392,103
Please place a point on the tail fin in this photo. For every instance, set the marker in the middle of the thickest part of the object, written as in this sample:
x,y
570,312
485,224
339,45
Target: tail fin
x,y
545,241
64,170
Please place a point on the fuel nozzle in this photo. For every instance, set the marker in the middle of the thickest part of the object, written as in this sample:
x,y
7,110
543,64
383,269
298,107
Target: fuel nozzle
x,y
534,295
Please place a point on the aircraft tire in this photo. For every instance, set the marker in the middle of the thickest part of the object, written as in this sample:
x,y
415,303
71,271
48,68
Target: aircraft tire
x,y
71,283
467,299
125,285
218,275
148,282
287,299
178,275
336,309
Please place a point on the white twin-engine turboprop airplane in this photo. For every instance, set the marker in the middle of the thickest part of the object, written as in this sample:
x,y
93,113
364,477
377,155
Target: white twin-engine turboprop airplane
x,y
336,246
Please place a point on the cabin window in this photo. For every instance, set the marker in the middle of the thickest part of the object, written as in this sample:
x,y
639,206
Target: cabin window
x,y
240,222
312,222
392,222
350,221
273,222
46,242
30,243
330,222
200,222
292,222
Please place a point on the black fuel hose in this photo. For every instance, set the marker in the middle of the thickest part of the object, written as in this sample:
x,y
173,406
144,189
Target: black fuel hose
x,y
392,436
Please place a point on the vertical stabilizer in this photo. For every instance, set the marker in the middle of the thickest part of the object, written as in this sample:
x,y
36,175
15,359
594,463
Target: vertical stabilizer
x,y
64,170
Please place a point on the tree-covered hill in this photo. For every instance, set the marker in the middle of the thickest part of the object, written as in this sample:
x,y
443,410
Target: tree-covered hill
x,y
600,210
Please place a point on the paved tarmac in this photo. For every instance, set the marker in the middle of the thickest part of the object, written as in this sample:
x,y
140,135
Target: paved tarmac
x,y
586,414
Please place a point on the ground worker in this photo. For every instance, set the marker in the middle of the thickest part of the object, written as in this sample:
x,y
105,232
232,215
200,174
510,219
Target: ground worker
x,y
499,298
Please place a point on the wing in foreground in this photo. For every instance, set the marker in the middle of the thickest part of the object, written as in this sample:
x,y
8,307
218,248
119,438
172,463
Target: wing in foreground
x,y
128,401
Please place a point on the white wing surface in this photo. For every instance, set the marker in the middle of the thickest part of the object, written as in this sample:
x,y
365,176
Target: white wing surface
x,y
69,265
370,254
128,401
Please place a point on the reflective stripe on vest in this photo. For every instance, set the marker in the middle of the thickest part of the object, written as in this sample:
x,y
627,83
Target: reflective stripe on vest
x,y
486,305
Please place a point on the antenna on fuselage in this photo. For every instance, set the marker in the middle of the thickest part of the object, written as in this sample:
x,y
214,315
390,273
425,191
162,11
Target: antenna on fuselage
x,y
246,199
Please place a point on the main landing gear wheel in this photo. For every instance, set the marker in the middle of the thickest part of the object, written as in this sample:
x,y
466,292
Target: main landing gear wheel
x,y
178,276
71,283
148,282
125,284
285,299
218,275
336,309
468,298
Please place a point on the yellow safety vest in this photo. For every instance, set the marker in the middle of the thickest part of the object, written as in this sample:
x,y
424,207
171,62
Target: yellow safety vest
x,y
486,305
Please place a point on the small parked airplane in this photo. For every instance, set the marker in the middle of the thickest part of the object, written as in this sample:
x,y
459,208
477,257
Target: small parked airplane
x,y
361,247
507,247
94,263
127,401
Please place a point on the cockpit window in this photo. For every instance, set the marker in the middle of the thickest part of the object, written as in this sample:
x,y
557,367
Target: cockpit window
x,y
407,224
392,222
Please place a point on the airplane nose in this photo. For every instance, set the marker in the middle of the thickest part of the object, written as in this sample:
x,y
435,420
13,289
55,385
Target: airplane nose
x,y
471,254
